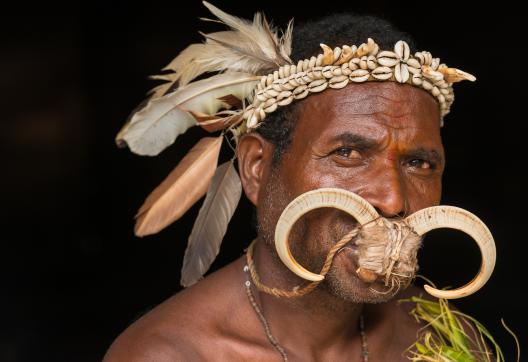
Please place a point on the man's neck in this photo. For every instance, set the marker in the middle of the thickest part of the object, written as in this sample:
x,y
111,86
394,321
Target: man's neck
x,y
315,322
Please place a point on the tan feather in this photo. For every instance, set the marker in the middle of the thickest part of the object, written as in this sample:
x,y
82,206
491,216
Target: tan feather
x,y
230,51
185,185
160,90
156,126
210,226
250,47
254,32
163,88
286,41
184,66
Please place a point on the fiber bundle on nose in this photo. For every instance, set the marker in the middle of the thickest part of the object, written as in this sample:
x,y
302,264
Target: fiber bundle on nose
x,y
389,248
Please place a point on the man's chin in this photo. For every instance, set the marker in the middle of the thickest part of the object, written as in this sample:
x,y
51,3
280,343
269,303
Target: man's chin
x,y
354,290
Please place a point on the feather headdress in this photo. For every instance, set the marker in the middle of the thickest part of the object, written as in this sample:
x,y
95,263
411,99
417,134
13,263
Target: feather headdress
x,y
253,75
239,57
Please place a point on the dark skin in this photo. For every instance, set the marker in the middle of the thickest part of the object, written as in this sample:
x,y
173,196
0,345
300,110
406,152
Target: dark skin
x,y
379,140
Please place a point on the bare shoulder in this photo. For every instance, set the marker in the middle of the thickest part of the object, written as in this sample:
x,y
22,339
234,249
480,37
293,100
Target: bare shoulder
x,y
163,334
180,328
140,346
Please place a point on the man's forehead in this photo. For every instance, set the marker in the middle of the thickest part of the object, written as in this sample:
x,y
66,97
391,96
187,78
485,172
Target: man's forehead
x,y
360,105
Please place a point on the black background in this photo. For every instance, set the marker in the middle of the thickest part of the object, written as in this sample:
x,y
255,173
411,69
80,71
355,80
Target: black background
x,y
72,273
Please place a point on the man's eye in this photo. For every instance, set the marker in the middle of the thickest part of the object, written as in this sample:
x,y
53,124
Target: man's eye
x,y
418,163
347,152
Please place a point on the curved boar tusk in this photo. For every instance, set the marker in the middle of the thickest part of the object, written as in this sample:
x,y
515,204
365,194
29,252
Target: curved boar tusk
x,y
452,217
346,201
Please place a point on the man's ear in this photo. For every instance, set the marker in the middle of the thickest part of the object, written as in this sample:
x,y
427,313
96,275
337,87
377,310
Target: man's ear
x,y
254,161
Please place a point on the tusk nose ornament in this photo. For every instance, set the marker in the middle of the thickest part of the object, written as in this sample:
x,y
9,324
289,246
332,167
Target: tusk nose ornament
x,y
421,221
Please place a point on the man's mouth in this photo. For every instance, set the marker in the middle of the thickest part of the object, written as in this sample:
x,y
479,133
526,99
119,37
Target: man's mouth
x,y
349,259
348,256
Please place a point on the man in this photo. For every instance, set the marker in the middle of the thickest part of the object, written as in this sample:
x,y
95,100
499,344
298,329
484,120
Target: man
x,y
380,140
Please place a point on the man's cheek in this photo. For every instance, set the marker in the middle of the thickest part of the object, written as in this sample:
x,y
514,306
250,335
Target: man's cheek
x,y
313,236
424,194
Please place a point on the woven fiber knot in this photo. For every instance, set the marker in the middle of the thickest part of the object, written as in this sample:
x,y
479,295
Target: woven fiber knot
x,y
389,248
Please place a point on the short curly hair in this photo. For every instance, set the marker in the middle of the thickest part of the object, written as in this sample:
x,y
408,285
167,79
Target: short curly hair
x,y
333,30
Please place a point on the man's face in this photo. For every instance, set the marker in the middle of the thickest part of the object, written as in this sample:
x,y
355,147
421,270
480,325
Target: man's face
x,y
379,140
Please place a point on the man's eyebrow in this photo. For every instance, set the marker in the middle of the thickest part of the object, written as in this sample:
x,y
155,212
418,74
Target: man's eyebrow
x,y
426,154
355,139
366,143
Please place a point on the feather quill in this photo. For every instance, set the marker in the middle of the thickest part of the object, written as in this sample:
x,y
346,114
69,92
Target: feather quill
x,y
157,125
185,185
210,226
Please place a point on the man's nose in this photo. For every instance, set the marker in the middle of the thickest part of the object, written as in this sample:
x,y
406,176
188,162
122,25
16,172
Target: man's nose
x,y
386,192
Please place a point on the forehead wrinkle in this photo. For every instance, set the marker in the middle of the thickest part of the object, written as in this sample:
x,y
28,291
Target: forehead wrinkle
x,y
372,105
383,118
368,96
377,106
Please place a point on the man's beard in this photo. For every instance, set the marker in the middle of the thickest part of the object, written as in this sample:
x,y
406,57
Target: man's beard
x,y
311,239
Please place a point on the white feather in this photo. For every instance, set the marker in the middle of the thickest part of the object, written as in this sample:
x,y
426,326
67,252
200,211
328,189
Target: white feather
x,y
207,100
156,126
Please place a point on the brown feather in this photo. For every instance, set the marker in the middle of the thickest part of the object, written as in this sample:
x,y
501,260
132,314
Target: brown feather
x,y
218,121
210,226
231,101
185,185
